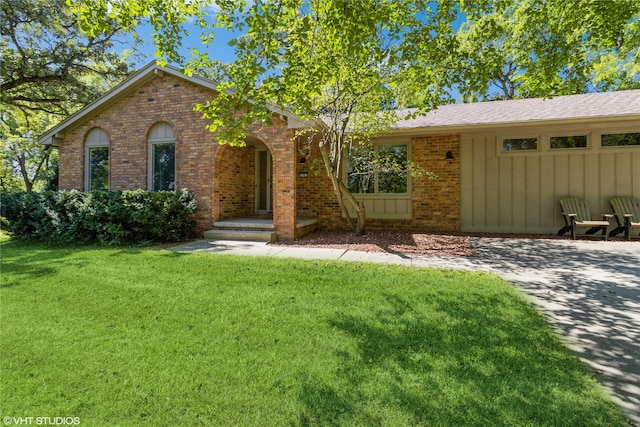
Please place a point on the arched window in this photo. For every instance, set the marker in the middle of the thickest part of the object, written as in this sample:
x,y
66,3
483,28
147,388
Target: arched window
x,y
162,157
96,160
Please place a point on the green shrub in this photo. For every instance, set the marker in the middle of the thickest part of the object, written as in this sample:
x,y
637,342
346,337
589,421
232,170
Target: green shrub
x,y
107,217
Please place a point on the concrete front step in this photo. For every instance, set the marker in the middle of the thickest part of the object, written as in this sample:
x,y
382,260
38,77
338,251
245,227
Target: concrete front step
x,y
246,223
245,235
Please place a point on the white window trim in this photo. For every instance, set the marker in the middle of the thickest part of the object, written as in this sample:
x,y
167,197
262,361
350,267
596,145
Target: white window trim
x,y
88,146
159,141
616,147
519,152
376,194
562,135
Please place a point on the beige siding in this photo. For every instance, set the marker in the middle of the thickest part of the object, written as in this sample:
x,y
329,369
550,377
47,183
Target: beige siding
x,y
385,206
519,191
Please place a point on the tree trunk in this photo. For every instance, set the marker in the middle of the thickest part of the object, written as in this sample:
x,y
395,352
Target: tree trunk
x,y
343,194
22,162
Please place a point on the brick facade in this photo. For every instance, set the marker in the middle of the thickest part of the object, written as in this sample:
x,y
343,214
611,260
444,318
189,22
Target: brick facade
x,y
435,202
223,178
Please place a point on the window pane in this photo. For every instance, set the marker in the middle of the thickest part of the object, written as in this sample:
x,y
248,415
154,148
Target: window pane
x,y
578,141
392,169
518,144
620,139
164,166
98,168
360,170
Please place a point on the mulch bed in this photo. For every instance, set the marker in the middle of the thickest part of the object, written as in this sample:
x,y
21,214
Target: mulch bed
x,y
407,242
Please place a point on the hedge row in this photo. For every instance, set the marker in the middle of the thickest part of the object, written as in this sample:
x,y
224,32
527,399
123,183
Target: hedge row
x,y
107,217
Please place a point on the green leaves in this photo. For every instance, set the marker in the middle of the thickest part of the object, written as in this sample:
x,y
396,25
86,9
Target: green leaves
x,y
50,69
350,63
526,48
107,217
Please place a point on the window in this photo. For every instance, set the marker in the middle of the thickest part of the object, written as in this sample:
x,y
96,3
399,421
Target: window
x,y
519,144
97,160
162,155
620,139
378,169
575,141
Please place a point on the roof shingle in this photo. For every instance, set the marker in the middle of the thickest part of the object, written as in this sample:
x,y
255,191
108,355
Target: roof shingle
x,y
571,107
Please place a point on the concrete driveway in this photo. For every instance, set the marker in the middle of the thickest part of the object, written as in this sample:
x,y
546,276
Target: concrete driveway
x,y
590,290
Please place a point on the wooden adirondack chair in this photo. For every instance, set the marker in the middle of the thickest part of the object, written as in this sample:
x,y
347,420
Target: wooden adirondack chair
x,y
627,213
576,214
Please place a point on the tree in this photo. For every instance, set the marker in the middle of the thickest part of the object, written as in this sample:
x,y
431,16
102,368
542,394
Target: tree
x,y
525,48
24,160
49,70
336,62
350,64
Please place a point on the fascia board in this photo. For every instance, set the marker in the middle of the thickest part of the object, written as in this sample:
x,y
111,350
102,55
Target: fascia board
x,y
466,128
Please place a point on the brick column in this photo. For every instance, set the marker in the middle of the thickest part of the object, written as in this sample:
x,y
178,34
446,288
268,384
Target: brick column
x,y
284,190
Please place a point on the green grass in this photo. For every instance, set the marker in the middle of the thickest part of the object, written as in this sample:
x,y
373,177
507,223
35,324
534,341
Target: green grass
x,y
149,337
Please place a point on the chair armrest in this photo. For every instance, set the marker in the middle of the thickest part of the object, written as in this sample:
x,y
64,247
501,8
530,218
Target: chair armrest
x,y
607,217
570,215
627,215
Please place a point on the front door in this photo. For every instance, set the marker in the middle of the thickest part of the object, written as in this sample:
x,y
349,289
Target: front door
x,y
264,195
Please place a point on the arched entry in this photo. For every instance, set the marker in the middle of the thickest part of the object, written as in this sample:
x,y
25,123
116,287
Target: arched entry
x,y
254,195
243,181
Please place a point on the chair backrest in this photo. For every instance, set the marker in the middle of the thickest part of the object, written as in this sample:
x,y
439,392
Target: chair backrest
x,y
573,205
626,205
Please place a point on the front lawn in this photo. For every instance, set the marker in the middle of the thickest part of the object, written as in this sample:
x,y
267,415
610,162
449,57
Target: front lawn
x,y
148,337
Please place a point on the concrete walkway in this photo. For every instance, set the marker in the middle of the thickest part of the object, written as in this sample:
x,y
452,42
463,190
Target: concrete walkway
x,y
590,290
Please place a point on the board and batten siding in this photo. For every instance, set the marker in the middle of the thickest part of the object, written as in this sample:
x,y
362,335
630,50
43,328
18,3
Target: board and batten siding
x,y
519,192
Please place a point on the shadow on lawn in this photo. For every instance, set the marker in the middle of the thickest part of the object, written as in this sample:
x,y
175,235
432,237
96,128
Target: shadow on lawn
x,y
592,296
590,291
21,260
471,360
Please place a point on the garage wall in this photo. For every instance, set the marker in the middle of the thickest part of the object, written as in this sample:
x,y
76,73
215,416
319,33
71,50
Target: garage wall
x,y
519,191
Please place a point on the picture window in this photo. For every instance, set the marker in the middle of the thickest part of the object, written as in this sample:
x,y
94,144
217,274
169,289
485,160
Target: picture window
x,y
378,169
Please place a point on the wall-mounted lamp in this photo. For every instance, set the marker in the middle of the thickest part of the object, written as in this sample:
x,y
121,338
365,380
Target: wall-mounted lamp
x,y
449,155
303,160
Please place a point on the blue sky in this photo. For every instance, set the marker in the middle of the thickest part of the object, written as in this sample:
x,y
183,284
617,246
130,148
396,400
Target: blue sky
x,y
219,50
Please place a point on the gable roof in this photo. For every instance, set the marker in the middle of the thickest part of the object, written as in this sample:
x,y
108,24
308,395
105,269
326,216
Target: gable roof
x,y
584,107
132,83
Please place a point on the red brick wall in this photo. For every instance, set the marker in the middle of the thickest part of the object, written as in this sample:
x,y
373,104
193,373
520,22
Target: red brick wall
x,y
128,122
223,178
279,139
436,202
234,188
316,198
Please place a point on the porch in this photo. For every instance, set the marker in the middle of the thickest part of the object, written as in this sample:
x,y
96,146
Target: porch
x,y
254,229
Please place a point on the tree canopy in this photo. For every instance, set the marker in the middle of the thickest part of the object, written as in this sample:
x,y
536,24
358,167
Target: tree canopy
x,y
528,48
349,65
50,68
